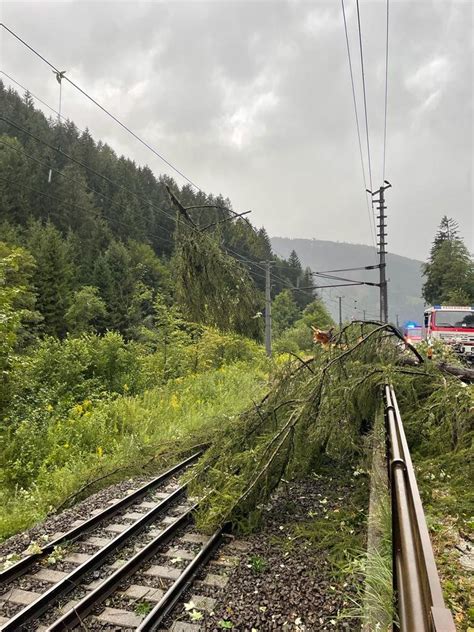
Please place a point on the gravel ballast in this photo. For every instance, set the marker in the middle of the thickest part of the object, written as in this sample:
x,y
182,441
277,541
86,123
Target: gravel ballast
x,y
285,582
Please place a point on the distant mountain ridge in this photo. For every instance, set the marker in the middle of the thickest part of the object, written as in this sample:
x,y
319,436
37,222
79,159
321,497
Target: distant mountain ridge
x,y
404,274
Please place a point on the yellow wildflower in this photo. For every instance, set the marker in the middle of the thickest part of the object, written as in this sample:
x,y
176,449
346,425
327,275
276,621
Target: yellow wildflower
x,y
100,452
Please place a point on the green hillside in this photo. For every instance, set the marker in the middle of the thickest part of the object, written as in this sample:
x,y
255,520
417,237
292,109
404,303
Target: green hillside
x,y
405,280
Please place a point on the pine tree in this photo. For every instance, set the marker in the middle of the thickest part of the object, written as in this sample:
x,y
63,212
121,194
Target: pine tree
x,y
115,279
305,297
53,276
449,271
14,199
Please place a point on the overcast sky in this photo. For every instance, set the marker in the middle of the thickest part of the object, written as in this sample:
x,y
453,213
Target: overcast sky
x,y
253,100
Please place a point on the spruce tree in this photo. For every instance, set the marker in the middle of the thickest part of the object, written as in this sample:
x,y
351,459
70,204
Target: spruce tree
x,y
115,280
53,277
449,271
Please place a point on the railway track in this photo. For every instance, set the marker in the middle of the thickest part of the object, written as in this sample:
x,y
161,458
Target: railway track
x,y
126,567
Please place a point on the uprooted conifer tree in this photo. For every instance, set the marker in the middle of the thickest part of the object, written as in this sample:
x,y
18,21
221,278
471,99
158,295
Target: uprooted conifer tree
x,y
319,406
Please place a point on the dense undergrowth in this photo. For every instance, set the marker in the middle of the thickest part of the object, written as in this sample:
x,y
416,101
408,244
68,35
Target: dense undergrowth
x,y
87,407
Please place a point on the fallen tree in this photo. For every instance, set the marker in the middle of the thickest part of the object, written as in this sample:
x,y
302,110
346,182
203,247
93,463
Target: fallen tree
x,y
321,405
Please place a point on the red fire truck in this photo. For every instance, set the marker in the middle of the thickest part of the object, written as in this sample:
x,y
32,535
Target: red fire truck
x,y
453,326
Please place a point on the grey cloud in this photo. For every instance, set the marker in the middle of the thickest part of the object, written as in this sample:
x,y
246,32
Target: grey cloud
x,y
253,100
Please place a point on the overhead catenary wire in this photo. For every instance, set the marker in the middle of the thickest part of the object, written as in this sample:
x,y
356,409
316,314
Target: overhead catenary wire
x,y
61,75
365,95
37,98
60,116
354,101
386,95
104,109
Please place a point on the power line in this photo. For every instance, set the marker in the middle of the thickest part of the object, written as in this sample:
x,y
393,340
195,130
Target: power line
x,y
386,98
365,95
10,78
354,101
58,149
348,269
62,76
78,162
112,116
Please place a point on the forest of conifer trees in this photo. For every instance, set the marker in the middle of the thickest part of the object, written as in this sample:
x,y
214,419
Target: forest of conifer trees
x,y
99,231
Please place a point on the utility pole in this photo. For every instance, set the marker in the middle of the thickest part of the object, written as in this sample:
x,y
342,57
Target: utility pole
x,y
268,310
382,251
364,314
340,311
398,324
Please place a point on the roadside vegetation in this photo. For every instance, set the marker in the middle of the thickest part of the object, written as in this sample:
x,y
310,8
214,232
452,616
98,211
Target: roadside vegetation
x,y
88,407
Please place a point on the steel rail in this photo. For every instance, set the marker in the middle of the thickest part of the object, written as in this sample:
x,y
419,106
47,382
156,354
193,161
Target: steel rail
x,y
169,600
75,616
20,567
419,597
68,583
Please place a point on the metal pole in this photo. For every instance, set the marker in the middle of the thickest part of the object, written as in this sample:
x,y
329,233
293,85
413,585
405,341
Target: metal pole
x,y
340,311
268,311
364,314
382,252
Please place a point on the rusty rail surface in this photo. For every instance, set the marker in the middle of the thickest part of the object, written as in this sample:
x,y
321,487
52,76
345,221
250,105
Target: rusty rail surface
x,y
419,598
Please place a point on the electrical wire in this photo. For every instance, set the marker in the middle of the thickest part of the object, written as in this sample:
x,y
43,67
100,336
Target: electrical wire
x,y
112,116
348,269
58,150
365,95
62,76
386,97
10,78
354,101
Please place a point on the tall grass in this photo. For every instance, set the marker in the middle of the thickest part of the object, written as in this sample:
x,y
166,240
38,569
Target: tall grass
x,y
124,434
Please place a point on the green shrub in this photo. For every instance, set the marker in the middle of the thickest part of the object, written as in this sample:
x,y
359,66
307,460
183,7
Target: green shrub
x,y
52,449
